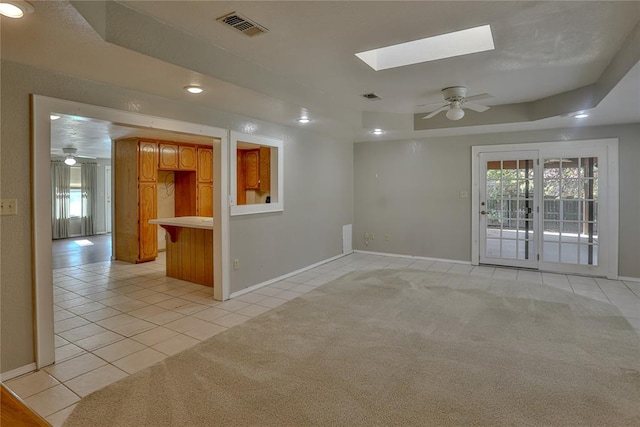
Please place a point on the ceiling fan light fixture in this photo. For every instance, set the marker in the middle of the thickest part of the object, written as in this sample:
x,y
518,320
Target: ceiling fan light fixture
x,y
304,120
455,112
69,160
377,131
15,8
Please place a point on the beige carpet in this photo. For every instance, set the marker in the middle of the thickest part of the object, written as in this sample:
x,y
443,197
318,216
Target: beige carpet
x,y
391,347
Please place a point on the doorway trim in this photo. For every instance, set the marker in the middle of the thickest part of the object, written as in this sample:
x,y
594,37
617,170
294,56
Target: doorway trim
x,y
611,226
42,278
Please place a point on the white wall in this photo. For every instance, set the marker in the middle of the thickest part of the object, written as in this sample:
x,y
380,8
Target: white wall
x,y
318,194
410,190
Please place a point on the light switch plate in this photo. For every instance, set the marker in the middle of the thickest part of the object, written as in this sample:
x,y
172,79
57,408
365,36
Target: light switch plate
x,y
8,206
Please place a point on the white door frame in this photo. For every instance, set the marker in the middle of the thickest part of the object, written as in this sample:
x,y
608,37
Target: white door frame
x,y
108,199
42,108
609,226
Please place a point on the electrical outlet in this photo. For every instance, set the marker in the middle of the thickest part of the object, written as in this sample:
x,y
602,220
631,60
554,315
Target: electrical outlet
x,y
236,264
9,207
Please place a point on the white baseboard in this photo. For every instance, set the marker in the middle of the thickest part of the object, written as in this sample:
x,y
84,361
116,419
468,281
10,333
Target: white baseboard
x,y
277,279
6,376
453,261
629,279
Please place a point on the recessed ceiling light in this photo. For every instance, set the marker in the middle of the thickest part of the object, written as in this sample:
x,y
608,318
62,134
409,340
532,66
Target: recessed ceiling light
x,y
464,42
304,120
377,132
194,89
54,117
15,8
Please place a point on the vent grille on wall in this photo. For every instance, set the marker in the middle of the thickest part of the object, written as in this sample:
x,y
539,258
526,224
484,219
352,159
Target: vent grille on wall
x,y
372,96
242,24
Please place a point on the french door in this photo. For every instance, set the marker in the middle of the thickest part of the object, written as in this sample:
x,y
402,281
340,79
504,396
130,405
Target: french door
x,y
509,209
547,208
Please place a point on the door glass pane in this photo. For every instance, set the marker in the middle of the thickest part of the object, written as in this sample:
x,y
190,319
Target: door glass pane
x,y
570,191
551,252
509,209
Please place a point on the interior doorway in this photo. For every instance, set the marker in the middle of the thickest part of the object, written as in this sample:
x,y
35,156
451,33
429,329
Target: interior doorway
x,y
547,206
42,109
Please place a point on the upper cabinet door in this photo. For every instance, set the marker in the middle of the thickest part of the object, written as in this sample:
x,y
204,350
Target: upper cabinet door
x,y
188,159
265,169
205,164
168,156
147,157
252,166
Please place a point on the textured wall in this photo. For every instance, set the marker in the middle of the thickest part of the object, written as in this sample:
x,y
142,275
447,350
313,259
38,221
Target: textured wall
x,y
307,232
410,190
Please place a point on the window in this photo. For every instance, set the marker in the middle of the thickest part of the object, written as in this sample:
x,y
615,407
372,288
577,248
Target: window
x,y
75,193
256,174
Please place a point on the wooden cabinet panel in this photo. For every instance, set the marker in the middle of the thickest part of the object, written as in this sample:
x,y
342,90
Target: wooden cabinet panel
x,y
187,157
147,161
205,164
265,169
148,208
135,195
205,199
251,169
168,156
185,194
241,196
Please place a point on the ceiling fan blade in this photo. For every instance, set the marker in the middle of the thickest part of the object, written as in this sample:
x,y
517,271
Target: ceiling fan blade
x,y
478,97
433,104
84,157
433,113
476,107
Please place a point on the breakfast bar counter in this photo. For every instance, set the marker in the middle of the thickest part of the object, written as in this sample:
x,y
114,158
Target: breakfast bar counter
x,y
189,248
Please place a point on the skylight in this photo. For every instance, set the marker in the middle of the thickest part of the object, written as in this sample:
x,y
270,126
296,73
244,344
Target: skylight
x,y
463,42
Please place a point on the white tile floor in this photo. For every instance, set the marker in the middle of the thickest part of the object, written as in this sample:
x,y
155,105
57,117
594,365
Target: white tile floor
x,y
113,319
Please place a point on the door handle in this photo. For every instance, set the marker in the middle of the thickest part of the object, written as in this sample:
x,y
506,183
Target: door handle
x,y
483,212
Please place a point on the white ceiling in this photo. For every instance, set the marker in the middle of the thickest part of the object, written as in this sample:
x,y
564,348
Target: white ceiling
x,y
306,61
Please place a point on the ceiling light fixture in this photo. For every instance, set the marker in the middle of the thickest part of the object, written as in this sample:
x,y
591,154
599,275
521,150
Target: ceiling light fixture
x,y
377,132
455,112
194,89
304,120
69,160
15,8
463,42
581,116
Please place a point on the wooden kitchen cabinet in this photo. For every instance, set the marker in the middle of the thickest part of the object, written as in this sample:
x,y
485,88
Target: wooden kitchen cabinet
x,y
205,199
135,196
264,172
187,157
252,169
205,182
205,164
148,209
177,157
168,156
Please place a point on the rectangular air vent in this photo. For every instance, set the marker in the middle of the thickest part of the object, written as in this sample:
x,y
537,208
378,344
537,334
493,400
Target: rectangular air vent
x,y
244,25
372,96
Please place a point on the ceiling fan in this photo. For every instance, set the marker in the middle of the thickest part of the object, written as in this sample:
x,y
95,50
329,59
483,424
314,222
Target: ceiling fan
x,y
71,154
456,101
